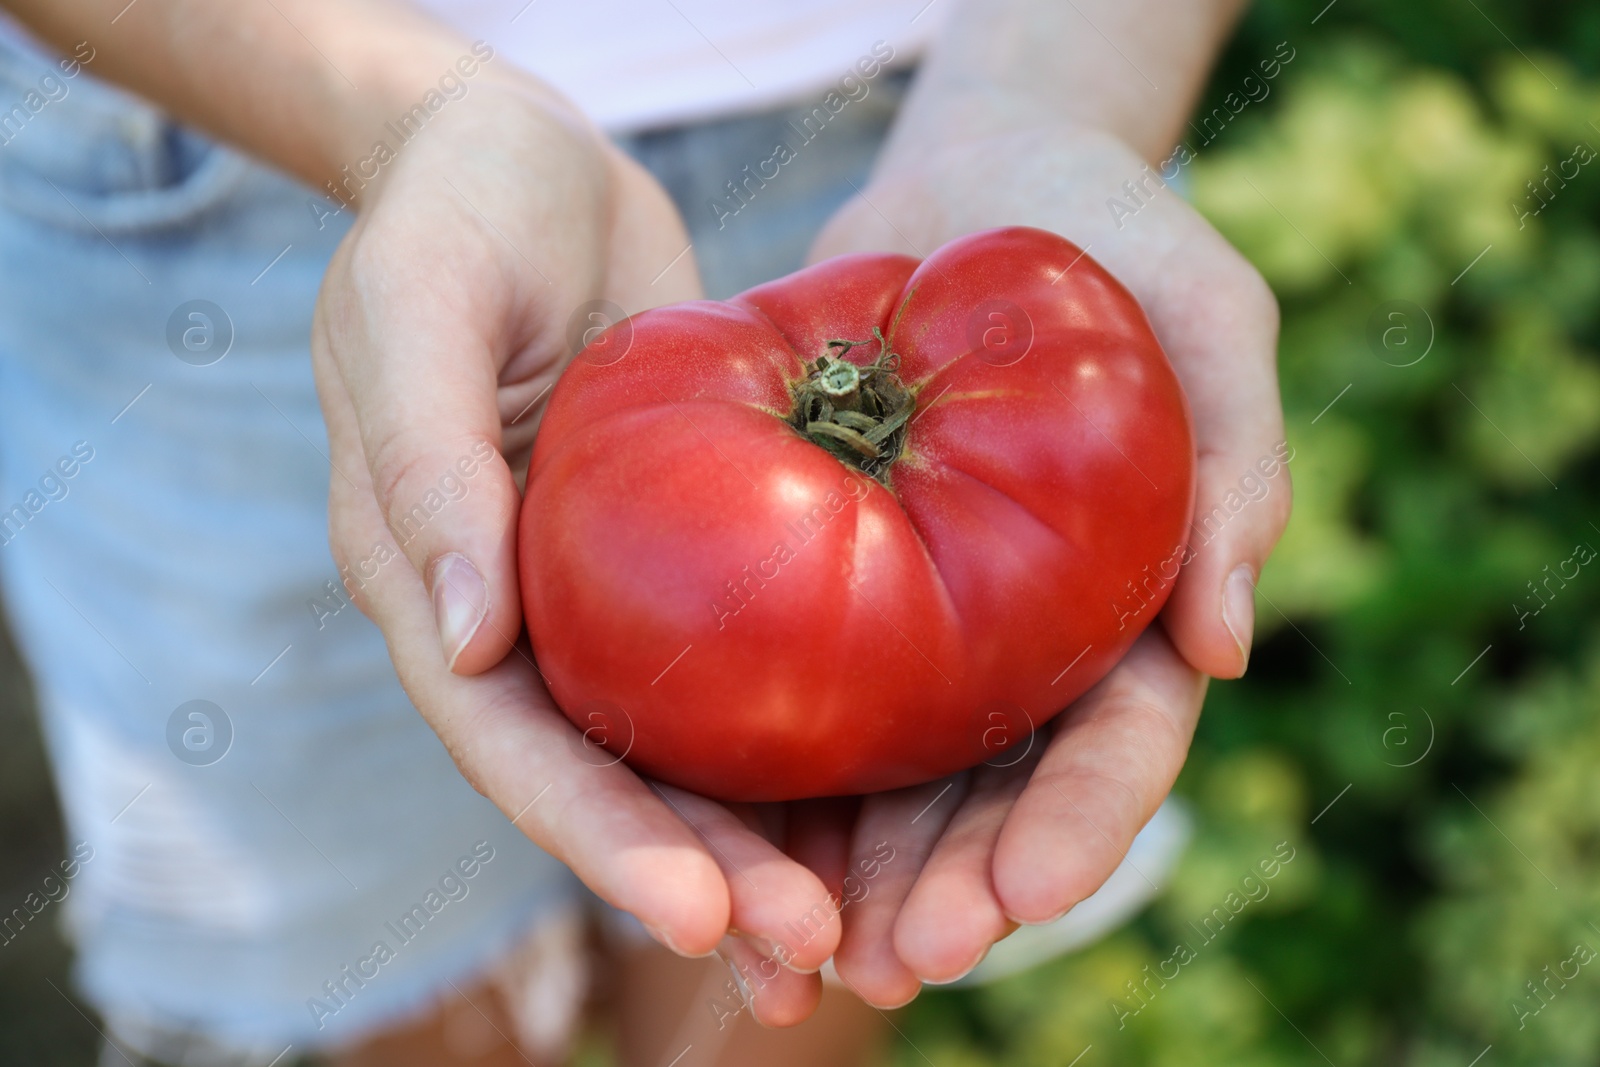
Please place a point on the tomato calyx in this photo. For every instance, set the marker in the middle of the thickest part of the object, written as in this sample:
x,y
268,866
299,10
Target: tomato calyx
x,y
858,413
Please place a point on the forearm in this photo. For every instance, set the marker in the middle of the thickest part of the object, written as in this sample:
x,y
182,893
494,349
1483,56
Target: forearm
x,y
1131,67
306,85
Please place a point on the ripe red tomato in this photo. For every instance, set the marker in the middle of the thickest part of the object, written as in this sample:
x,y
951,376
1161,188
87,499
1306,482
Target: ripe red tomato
x,y
859,527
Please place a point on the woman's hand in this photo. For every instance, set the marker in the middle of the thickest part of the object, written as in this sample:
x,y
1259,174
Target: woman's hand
x,y
1024,844
444,319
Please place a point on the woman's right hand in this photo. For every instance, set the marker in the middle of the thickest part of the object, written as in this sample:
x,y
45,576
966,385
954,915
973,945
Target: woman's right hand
x,y
444,319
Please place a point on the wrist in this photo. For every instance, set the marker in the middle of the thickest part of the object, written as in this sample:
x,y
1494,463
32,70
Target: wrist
x,y
985,120
432,82
1130,68
453,101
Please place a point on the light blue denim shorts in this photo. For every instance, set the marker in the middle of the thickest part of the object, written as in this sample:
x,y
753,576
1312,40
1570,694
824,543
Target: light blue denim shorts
x,y
164,477
259,804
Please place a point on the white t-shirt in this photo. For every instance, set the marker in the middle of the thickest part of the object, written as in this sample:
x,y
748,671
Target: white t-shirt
x,y
632,64
635,64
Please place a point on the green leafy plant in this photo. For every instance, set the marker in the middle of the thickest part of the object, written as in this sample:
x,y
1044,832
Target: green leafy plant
x,y
1421,722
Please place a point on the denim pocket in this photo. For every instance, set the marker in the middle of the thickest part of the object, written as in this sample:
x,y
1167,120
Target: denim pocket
x,y
80,154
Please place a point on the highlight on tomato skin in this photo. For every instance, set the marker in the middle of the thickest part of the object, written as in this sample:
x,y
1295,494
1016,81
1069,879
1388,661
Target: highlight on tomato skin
x,y
859,527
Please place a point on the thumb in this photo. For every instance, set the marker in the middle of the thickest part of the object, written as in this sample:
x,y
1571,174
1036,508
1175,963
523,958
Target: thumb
x,y
451,503
1223,342
423,386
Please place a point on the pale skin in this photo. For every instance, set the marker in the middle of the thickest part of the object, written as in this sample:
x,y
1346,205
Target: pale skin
x,y
443,317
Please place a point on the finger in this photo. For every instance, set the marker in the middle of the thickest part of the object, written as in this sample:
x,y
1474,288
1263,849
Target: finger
x,y
775,995
512,744
419,363
952,917
1113,759
894,836
780,906
1219,324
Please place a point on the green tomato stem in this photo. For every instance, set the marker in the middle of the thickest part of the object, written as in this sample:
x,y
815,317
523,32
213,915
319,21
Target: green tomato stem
x,y
857,413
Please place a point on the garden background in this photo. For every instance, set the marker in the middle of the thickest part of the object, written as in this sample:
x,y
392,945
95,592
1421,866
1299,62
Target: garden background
x,y
1421,719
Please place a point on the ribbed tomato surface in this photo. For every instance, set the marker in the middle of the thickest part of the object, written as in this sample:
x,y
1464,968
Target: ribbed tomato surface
x,y
739,611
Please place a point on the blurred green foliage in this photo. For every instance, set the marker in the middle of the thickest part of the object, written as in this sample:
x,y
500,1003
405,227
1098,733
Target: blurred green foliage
x,y
1450,899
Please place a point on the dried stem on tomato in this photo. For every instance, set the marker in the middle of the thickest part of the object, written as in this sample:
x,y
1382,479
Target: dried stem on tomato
x,y
858,413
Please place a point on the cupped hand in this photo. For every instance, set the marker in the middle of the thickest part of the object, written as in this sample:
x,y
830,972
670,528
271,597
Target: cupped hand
x,y
446,315
996,847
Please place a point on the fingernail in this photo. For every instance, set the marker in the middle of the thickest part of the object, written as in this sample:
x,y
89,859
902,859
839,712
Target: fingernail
x,y
957,977
666,942
460,602
1041,922
1239,609
891,1007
